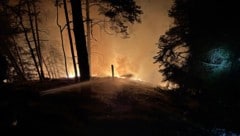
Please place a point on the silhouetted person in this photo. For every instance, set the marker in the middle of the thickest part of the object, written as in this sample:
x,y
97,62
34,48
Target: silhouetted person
x,y
3,68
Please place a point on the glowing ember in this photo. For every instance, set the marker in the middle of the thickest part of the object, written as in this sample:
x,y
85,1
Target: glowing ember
x,y
138,79
71,75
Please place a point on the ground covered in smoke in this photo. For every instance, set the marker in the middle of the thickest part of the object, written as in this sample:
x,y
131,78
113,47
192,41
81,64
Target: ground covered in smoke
x,y
102,106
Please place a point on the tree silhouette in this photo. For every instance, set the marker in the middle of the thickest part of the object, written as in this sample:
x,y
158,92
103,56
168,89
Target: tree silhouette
x,y
200,27
57,4
120,13
7,42
23,42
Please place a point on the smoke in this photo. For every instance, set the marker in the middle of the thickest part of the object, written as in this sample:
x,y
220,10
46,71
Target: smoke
x,y
134,55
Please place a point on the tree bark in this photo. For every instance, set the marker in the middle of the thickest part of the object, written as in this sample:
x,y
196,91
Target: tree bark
x,y
78,28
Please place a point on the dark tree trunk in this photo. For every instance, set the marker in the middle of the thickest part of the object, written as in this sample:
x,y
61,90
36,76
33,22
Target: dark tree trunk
x,y
88,28
35,41
70,39
29,46
39,52
62,43
80,40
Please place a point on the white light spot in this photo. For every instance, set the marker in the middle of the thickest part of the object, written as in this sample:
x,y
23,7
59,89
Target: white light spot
x,y
5,81
14,123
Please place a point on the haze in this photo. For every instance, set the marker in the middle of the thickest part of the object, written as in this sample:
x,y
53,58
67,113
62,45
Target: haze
x,y
133,55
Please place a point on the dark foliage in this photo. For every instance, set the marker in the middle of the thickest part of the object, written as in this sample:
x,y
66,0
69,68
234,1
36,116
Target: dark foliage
x,y
121,13
199,26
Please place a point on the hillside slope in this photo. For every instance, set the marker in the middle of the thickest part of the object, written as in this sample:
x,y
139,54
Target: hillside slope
x,y
104,106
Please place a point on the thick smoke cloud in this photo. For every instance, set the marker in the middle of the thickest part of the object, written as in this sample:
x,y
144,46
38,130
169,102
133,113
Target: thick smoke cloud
x,y
131,56
134,55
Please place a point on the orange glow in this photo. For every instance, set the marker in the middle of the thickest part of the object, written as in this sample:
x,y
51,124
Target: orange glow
x,y
71,75
132,57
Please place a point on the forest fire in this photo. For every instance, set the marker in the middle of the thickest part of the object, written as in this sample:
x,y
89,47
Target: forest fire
x,y
107,67
54,57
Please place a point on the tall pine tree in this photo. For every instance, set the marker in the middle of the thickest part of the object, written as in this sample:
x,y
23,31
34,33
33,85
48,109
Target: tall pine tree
x,y
199,27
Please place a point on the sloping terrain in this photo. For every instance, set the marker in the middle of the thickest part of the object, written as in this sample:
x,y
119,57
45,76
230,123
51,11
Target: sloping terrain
x,y
103,106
